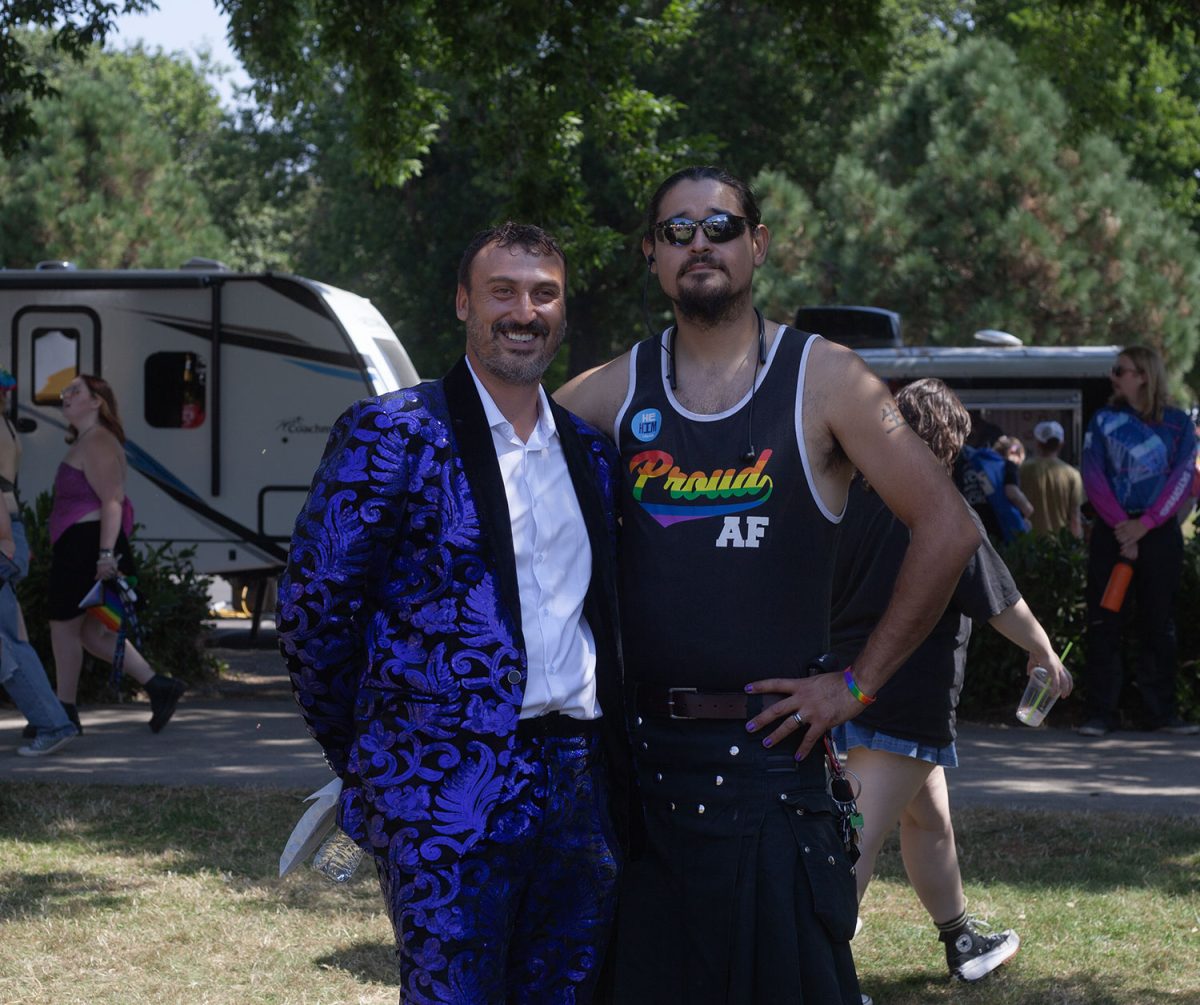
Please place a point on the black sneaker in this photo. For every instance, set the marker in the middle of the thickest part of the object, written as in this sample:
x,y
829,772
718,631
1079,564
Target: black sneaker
x,y
164,695
972,955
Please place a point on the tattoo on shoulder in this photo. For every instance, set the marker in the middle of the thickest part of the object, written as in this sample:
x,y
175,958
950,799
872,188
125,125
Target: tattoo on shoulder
x,y
891,417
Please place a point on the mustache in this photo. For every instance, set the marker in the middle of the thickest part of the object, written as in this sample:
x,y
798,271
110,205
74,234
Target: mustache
x,y
703,259
535,327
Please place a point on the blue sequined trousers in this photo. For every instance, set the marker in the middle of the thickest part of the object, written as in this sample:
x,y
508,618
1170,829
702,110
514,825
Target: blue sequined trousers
x,y
524,917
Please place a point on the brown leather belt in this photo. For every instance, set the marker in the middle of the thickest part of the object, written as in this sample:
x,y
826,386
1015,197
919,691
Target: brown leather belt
x,y
691,703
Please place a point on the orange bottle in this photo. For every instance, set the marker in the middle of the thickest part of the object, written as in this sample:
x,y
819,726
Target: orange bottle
x,y
1118,583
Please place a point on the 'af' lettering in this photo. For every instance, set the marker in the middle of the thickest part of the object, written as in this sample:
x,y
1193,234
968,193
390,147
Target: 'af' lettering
x,y
731,535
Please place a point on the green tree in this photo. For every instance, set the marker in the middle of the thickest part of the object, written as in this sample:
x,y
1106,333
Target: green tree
x,y
1126,69
99,183
788,279
966,207
565,115
74,27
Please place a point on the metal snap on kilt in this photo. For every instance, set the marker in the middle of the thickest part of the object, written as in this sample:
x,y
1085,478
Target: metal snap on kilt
x,y
734,751
700,808
720,780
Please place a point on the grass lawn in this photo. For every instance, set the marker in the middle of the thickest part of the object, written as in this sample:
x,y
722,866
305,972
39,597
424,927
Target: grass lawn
x,y
154,896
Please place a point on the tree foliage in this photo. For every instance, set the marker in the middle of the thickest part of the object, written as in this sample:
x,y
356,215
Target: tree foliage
x,y
99,184
76,27
965,207
1128,70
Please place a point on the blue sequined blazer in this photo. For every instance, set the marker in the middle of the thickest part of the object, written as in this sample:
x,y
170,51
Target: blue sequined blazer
x,y
400,620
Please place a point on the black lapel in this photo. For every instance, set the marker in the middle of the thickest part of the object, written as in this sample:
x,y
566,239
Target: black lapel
x,y
478,456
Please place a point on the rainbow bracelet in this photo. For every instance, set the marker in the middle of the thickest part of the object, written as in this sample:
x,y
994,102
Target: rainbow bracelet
x,y
858,692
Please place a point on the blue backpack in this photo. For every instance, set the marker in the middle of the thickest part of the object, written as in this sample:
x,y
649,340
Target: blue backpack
x,y
985,468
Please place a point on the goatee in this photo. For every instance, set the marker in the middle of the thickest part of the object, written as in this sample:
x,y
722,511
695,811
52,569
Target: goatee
x,y
707,308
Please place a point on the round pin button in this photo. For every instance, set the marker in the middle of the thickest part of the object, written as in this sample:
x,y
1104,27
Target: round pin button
x,y
514,676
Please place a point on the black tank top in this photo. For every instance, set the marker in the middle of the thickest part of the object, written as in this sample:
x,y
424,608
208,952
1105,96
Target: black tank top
x,y
726,563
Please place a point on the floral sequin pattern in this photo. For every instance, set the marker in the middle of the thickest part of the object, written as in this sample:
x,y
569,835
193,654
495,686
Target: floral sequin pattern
x,y
399,648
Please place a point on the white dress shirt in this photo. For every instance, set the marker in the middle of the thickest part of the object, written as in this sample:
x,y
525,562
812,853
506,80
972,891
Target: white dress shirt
x,y
554,564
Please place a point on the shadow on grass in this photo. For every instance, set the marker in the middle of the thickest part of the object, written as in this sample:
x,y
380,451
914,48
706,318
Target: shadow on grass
x,y
1092,852
238,832
372,962
1012,988
34,894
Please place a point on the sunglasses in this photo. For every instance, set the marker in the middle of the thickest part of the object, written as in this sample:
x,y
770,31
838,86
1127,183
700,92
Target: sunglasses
x,y
718,228
1120,371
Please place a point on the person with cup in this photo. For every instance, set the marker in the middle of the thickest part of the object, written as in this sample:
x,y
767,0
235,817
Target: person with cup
x,y
900,745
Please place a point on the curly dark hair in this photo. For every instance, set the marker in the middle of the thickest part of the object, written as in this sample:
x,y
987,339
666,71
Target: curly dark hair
x,y
937,416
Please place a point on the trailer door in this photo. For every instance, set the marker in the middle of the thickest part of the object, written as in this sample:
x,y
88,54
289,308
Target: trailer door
x,y
52,345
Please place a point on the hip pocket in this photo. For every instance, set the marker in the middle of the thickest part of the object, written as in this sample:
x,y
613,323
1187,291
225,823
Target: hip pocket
x,y
823,860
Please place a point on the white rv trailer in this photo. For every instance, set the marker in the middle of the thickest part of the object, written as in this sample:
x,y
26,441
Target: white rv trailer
x,y
1003,383
1013,387
227,386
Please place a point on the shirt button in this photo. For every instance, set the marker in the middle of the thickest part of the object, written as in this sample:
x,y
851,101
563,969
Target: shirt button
x,y
514,676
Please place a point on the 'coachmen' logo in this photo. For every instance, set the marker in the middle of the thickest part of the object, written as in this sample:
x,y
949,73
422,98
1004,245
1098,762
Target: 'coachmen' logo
x,y
298,425
672,495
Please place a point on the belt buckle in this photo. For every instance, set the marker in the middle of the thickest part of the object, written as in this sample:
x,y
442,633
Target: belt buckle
x,y
671,692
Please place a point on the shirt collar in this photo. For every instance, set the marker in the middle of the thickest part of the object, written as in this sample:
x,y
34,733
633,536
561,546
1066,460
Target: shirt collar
x,y
545,429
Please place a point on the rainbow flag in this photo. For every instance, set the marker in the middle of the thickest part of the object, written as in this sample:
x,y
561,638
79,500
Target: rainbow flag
x,y
109,603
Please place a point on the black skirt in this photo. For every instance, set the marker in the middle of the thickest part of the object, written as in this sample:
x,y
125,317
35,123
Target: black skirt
x,y
745,895
73,567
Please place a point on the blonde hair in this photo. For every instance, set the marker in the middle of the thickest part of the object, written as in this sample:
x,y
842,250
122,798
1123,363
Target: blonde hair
x,y
1149,363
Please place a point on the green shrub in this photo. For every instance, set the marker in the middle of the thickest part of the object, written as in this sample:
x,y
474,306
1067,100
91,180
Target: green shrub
x,y
1051,573
172,610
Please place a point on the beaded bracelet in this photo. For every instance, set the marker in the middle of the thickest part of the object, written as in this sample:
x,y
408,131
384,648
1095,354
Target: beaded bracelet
x,y
858,692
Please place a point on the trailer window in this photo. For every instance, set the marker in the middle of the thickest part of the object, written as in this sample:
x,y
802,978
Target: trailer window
x,y
175,391
55,363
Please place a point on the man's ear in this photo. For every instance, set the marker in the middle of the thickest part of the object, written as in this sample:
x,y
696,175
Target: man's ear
x,y
761,239
648,253
461,302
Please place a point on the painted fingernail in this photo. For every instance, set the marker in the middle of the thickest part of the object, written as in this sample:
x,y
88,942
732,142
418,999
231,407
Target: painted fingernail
x,y
750,727
766,741
749,688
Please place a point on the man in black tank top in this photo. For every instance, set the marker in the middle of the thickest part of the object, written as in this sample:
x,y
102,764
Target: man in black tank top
x,y
738,440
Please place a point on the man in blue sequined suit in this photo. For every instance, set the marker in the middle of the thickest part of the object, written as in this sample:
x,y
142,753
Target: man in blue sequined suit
x,y
491,802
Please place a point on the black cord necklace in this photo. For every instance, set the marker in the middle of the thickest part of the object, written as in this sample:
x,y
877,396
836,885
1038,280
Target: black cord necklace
x,y
759,359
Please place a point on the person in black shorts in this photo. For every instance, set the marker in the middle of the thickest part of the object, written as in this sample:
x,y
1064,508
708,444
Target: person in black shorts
x,y
89,525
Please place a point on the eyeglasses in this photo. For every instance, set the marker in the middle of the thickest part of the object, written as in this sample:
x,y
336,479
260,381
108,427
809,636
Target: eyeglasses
x,y
718,228
69,392
1120,371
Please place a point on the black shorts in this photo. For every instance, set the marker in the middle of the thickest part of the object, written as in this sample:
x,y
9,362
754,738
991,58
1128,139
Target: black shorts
x,y
73,567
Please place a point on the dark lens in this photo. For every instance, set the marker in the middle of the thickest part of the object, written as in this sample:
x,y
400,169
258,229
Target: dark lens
x,y
722,227
678,230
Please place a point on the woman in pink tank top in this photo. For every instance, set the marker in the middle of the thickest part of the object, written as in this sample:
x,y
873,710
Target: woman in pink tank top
x,y
89,526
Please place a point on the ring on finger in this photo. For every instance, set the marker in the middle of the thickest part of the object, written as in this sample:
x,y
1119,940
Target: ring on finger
x,y
798,718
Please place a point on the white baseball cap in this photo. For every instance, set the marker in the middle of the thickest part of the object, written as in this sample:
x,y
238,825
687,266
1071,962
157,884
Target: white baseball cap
x,y
1046,431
